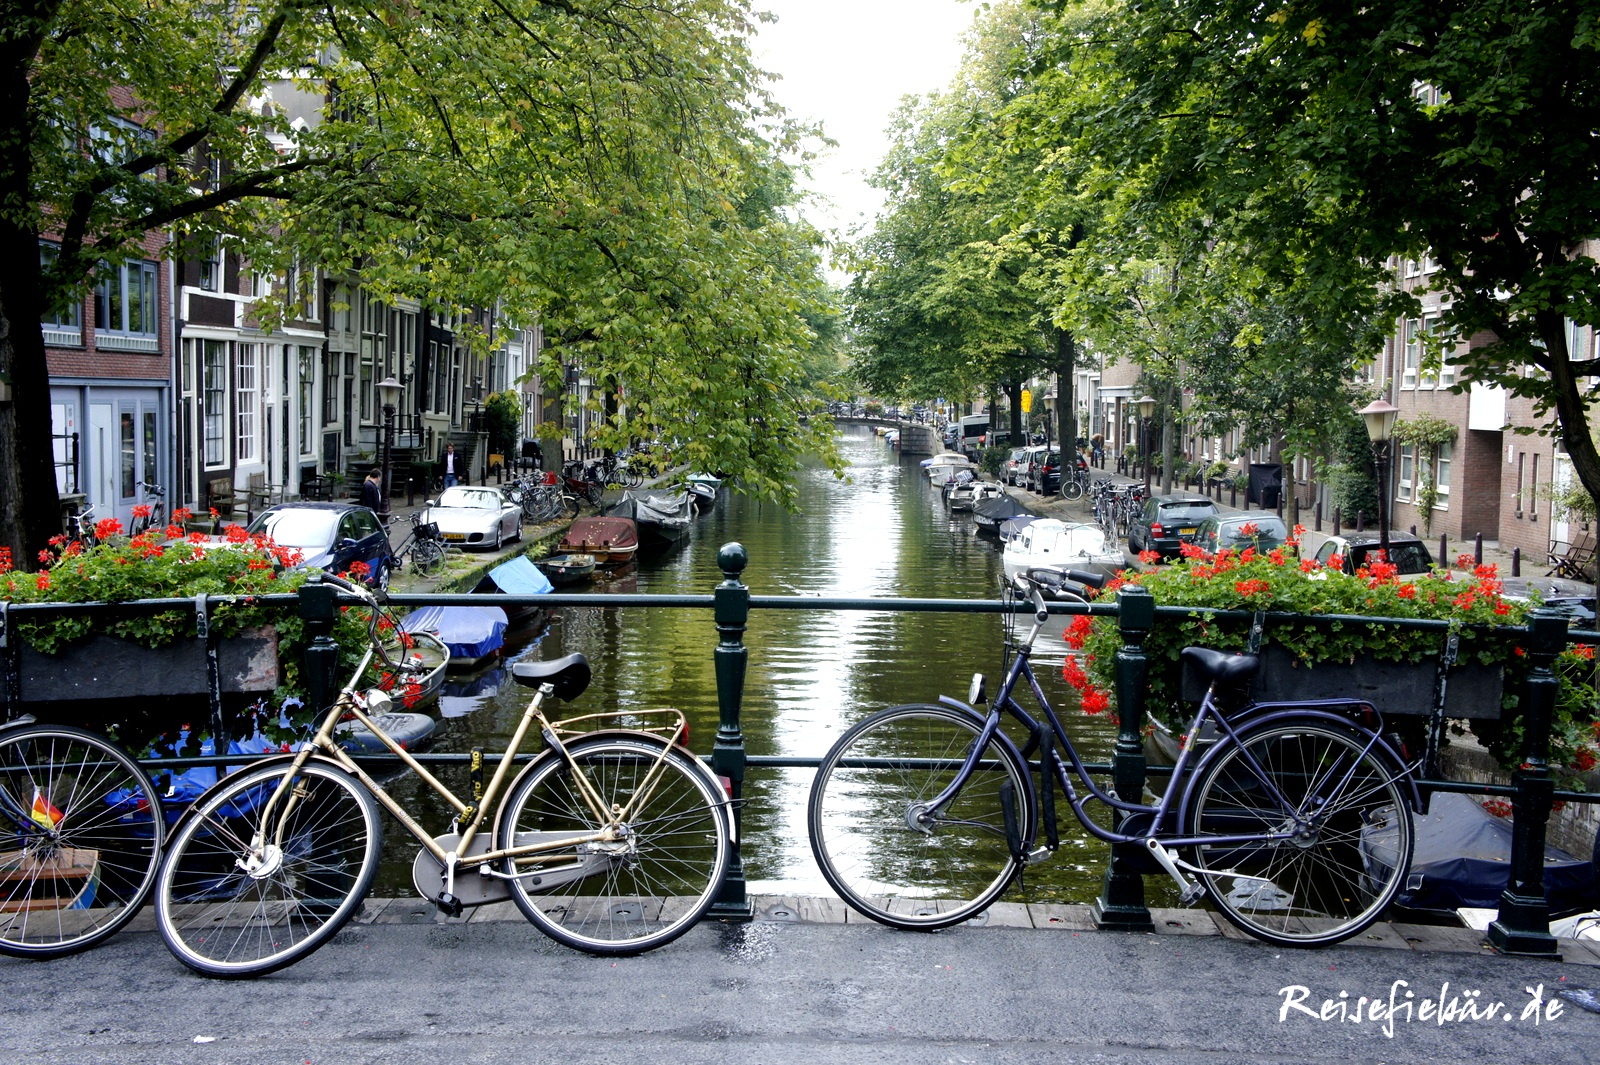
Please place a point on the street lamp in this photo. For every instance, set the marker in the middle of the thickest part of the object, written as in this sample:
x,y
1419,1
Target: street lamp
x,y
388,394
1147,407
1379,416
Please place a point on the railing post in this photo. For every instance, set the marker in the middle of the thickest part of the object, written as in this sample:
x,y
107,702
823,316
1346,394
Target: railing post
x,y
1121,906
319,607
732,610
1523,926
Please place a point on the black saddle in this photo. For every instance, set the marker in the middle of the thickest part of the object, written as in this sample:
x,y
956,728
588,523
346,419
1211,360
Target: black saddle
x,y
569,676
1221,666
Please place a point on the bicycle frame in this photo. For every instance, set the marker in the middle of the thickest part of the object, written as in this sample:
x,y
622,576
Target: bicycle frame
x,y
469,816
1160,833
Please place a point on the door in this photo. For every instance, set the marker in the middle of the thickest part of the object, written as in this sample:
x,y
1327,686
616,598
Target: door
x,y
1561,476
100,455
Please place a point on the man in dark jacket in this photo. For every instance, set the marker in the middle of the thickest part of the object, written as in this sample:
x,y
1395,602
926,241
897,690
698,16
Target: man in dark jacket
x,y
372,490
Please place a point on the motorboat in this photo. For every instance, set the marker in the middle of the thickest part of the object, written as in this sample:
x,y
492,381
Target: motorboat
x,y
1049,543
563,570
662,518
1011,528
517,577
474,634
965,496
990,512
613,541
943,465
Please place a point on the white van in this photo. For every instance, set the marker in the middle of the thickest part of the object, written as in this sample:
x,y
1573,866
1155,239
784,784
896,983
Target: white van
x,y
974,427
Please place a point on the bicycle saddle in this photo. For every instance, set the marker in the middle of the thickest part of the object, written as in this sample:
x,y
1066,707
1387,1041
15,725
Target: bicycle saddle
x,y
569,675
1220,665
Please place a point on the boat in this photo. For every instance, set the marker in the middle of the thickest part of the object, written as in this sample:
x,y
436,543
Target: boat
x,y
517,577
702,496
662,518
567,569
410,730
1462,859
965,496
612,541
423,688
474,634
987,514
1049,543
941,466
1012,527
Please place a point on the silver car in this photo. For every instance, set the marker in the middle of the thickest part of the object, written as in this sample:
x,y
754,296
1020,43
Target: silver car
x,y
475,517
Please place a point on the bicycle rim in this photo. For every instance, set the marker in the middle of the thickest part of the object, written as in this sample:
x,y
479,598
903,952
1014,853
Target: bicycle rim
x,y
863,825
645,889
83,829
229,908
1321,886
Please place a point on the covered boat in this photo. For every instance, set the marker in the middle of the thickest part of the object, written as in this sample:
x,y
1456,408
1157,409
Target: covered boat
x,y
517,577
613,541
473,634
662,518
1462,858
1048,543
567,569
988,514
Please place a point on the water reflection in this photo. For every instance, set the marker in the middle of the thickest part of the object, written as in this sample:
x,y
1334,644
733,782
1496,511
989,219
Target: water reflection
x,y
882,532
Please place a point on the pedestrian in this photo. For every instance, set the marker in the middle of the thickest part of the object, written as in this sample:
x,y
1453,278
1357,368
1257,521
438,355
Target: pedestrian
x,y
1097,448
372,490
451,473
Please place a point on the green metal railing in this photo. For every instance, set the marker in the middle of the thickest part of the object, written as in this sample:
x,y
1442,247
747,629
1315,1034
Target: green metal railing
x,y
1524,913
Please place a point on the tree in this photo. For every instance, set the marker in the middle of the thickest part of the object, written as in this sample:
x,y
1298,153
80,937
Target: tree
x,y
1463,129
613,171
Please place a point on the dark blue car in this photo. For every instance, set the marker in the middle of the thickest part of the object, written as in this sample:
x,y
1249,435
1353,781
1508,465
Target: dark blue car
x,y
331,536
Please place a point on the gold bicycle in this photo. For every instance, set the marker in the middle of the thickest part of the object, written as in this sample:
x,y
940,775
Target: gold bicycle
x,y
613,840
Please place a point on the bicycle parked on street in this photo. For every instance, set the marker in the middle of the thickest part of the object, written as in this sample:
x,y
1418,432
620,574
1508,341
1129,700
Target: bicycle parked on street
x,y
613,840
423,545
921,816
81,829
151,515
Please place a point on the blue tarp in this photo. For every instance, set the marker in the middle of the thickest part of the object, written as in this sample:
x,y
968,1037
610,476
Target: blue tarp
x,y
469,631
520,577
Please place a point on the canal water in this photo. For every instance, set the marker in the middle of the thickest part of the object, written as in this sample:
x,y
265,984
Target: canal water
x,y
881,531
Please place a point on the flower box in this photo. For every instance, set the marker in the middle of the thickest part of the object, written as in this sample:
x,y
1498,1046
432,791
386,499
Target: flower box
x,y
106,667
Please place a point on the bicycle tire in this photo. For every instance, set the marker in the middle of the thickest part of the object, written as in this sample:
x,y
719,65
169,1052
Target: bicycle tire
x,y
427,557
223,920
1314,889
1071,488
877,860
569,505
83,829
668,866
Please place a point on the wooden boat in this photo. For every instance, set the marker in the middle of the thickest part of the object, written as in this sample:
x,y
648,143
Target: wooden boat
x,y
613,541
562,570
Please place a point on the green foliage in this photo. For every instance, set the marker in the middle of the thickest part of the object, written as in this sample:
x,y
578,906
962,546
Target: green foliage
x,y
993,459
502,418
1425,432
1280,583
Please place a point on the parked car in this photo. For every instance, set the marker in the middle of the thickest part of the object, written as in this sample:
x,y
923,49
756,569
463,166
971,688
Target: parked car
x,y
1044,471
1166,522
1261,530
330,536
1408,553
475,517
1015,465
1575,600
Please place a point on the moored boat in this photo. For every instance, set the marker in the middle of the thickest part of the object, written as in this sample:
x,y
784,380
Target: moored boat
x,y
1058,545
563,570
946,463
517,577
613,541
662,518
474,634
988,514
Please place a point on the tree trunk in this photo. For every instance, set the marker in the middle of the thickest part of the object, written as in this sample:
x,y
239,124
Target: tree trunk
x,y
1169,436
1066,410
1571,414
1013,390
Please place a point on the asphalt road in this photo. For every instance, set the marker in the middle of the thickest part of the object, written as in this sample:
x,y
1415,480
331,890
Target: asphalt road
x,y
775,992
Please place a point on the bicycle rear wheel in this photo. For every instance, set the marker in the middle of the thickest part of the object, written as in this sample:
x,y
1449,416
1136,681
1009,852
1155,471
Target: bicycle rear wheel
x,y
1316,887
244,893
884,859
81,829
427,557
640,891
1071,488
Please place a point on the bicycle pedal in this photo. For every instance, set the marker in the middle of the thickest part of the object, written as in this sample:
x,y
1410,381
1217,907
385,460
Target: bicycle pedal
x,y
1192,894
448,904
1039,854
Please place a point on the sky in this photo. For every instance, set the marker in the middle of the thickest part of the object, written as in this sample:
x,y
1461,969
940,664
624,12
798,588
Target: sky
x,y
847,63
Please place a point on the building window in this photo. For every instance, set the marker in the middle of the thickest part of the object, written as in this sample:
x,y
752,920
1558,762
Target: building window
x,y
125,307
1521,473
1412,357
129,456
1405,473
64,325
308,395
1441,475
215,375
246,390
211,266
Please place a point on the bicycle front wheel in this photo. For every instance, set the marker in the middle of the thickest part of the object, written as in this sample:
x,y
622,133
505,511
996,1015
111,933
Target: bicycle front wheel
x,y
245,892
880,846
652,880
1071,488
1316,886
427,557
83,829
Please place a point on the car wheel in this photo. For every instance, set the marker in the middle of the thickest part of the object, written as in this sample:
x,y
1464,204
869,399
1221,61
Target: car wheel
x,y
517,533
380,577
498,540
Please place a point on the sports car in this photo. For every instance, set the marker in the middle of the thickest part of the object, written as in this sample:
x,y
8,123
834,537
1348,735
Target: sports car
x,y
472,516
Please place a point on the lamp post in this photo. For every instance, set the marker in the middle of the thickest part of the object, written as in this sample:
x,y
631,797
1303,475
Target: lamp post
x,y
1147,407
1379,416
388,394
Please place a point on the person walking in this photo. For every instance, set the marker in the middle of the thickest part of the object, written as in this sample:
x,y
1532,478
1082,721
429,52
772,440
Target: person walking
x,y
372,490
451,473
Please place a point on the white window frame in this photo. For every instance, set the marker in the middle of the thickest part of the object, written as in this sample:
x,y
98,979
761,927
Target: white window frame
x,y
213,359
247,396
1443,458
1404,472
112,320
1410,352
